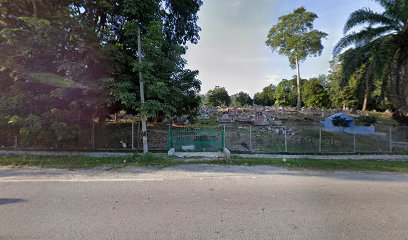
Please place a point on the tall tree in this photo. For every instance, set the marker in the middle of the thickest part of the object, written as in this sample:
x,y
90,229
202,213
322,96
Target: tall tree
x,y
51,67
380,48
64,61
167,26
242,99
294,37
285,93
315,94
218,97
266,97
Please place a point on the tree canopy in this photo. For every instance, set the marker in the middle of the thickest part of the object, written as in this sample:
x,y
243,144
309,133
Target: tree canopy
x,y
242,99
266,97
294,37
285,93
379,52
66,62
315,93
218,97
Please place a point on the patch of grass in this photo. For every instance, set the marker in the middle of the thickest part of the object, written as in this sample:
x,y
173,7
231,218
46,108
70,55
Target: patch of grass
x,y
58,161
152,160
327,165
83,162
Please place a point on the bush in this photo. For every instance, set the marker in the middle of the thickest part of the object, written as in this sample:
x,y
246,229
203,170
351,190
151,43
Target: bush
x,y
400,117
367,120
340,122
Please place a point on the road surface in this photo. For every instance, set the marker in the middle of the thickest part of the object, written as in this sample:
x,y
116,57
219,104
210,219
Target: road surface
x,y
201,202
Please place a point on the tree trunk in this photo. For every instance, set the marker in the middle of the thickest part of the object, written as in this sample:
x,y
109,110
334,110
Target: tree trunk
x,y
402,80
35,11
366,93
299,98
399,74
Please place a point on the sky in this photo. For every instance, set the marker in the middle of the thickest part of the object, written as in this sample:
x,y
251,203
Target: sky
x,y
232,53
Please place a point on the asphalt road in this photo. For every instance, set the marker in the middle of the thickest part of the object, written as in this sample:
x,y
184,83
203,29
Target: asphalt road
x,y
202,202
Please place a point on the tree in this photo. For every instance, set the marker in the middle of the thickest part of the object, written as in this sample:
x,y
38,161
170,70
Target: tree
x,y
242,99
285,93
52,64
65,62
218,97
380,50
266,97
314,93
166,27
294,37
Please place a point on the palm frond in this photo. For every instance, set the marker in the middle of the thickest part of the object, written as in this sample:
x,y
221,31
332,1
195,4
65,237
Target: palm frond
x,y
367,16
361,38
395,9
398,11
386,3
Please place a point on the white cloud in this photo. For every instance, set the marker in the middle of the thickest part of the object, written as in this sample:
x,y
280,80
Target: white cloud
x,y
232,51
273,78
247,60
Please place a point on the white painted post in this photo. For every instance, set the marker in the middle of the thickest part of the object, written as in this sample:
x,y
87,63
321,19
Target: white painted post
x,y
142,97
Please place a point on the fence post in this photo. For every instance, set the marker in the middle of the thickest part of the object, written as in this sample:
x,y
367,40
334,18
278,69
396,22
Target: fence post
x,y
390,129
133,135
286,141
250,138
223,136
93,133
354,143
16,142
320,140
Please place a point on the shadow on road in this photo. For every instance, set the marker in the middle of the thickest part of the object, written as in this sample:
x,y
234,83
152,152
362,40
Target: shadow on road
x,y
4,201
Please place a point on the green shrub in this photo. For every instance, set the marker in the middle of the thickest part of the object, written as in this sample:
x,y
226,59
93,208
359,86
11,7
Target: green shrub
x,y
340,122
401,118
367,120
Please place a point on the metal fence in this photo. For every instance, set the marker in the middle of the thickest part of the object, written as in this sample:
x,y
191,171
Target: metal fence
x,y
237,137
314,139
196,140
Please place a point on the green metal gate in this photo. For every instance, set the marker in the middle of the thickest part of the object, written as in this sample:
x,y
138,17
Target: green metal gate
x,y
196,140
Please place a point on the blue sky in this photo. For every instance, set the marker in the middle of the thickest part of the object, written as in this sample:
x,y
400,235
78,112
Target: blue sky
x,y
232,53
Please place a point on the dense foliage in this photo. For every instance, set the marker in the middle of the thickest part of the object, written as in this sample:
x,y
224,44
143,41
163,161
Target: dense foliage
x,y
266,97
315,94
340,122
367,120
218,97
67,62
378,58
401,118
242,99
286,94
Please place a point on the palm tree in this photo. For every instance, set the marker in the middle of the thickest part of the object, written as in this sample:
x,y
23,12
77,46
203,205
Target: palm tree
x,y
380,49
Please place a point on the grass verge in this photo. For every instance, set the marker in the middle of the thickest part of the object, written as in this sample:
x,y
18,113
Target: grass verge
x,y
84,162
152,160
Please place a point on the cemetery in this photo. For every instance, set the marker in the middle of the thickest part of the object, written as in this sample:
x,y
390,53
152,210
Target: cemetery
x,y
284,129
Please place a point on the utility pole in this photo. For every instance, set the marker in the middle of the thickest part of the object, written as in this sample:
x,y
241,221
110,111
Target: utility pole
x,y
142,99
